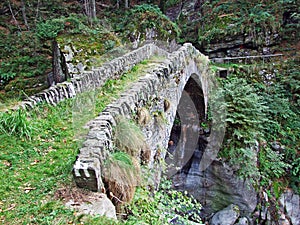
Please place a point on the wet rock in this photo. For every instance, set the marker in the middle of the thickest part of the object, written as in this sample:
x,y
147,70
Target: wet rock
x,y
227,216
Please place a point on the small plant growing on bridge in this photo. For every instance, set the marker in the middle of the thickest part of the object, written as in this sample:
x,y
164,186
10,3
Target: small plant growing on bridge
x,y
143,116
160,117
121,175
130,139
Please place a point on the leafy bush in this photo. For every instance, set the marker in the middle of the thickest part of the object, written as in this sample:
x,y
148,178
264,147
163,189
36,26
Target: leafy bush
x,y
164,206
245,118
142,17
263,114
74,24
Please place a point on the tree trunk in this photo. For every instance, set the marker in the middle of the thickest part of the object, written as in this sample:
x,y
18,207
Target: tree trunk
x,y
93,9
90,9
126,4
57,64
162,5
23,9
37,13
13,16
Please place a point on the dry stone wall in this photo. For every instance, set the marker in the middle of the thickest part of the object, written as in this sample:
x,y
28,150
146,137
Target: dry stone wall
x,y
90,80
164,81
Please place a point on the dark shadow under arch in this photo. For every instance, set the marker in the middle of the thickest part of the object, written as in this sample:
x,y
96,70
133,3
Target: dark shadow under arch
x,y
186,141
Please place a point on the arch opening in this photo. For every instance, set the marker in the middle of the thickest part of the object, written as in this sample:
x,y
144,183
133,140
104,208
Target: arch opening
x,y
188,135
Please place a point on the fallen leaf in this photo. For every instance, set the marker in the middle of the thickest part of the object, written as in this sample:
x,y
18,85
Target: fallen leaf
x,y
28,189
12,206
6,163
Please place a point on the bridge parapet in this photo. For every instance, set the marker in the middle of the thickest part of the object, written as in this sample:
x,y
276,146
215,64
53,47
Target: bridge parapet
x,y
95,78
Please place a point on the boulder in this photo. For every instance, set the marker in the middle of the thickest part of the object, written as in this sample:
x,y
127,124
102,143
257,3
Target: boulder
x,y
227,216
243,221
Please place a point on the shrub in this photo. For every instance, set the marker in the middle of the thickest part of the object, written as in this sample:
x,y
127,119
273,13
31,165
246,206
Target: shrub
x,y
50,28
231,18
245,118
164,206
121,176
261,114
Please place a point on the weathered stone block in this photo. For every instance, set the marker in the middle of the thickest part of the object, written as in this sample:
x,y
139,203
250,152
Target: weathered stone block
x,y
87,174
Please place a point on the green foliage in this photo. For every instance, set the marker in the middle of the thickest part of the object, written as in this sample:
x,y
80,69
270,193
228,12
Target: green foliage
x,y
50,28
272,164
263,114
142,17
231,18
23,66
284,125
123,158
74,24
162,206
245,118
20,59
291,21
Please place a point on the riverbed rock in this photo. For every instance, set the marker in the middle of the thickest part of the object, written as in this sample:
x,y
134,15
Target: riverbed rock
x,y
291,205
217,187
227,216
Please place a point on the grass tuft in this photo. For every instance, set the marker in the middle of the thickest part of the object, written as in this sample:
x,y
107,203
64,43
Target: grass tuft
x,y
16,123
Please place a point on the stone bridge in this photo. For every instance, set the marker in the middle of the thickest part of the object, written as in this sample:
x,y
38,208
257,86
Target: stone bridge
x,y
166,90
159,91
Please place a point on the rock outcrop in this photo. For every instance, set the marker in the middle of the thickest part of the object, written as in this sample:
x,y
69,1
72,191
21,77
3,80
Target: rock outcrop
x,y
217,187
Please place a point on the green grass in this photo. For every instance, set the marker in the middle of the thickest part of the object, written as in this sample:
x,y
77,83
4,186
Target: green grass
x,y
31,170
